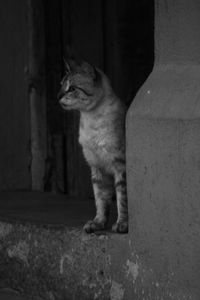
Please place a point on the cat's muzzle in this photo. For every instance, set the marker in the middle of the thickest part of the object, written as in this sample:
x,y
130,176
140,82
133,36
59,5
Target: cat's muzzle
x,y
62,103
60,95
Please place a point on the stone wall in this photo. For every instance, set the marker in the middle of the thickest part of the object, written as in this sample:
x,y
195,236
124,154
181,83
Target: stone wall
x,y
163,154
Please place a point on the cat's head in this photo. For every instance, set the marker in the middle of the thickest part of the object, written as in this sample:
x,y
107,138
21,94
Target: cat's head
x,y
80,87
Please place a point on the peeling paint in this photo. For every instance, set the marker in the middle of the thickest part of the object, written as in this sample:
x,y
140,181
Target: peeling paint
x,y
62,260
92,285
86,237
5,229
35,243
116,291
51,296
103,237
20,251
86,282
97,295
133,269
108,259
101,279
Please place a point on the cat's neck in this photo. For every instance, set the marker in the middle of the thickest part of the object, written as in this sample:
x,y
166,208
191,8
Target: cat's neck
x,y
106,104
107,100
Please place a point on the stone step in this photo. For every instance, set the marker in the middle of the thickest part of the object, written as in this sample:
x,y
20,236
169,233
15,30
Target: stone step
x,y
45,255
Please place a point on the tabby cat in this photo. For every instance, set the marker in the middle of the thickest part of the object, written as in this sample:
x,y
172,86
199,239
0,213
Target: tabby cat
x,y
102,137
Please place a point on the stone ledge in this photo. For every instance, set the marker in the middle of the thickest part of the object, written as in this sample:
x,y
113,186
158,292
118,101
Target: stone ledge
x,y
45,255
55,261
58,264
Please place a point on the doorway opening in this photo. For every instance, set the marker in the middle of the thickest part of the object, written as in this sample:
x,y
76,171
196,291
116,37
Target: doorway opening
x,y
115,36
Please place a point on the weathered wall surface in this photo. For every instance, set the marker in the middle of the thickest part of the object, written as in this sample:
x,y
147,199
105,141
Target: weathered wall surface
x,y
68,264
14,104
163,154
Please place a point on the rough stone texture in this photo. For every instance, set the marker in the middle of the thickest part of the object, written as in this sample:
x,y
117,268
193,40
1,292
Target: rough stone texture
x,y
59,261
163,154
65,263
44,263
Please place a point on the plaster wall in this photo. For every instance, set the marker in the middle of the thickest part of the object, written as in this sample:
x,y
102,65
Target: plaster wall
x,y
163,154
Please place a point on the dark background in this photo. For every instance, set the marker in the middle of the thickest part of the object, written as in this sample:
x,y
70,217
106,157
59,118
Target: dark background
x,y
115,35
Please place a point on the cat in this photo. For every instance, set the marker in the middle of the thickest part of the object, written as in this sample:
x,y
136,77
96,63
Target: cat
x,y
102,137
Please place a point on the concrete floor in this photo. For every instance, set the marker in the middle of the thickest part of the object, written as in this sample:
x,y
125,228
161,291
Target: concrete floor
x,y
38,233
41,208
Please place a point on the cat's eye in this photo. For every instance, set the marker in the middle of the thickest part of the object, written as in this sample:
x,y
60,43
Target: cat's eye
x,y
85,92
63,80
71,89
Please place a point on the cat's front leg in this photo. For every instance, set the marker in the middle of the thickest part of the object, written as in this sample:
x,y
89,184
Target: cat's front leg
x,y
121,226
103,192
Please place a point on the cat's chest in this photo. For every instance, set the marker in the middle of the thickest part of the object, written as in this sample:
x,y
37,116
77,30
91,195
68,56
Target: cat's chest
x,y
94,141
92,138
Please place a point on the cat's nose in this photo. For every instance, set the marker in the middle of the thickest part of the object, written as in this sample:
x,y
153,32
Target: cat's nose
x,y
60,95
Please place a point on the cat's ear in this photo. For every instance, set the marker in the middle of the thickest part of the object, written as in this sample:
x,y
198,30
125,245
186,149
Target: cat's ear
x,y
67,66
70,65
98,75
88,69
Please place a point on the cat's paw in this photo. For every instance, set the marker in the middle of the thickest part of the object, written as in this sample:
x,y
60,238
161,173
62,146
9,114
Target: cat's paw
x,y
92,226
120,227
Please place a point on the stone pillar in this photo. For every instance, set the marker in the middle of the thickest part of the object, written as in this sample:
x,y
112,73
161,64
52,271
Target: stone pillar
x,y
163,156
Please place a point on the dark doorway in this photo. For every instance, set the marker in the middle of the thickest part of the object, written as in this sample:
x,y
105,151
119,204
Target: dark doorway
x,y
14,108
116,36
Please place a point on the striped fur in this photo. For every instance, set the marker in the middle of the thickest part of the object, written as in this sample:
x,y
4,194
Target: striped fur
x,y
102,137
